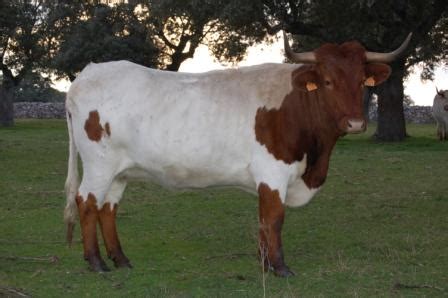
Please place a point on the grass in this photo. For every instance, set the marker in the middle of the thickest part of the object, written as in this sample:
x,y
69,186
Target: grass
x,y
378,227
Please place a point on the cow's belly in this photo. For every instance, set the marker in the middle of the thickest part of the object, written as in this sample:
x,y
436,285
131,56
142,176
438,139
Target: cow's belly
x,y
181,177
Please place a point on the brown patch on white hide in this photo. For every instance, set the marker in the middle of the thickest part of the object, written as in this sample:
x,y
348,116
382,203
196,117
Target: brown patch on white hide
x,y
93,127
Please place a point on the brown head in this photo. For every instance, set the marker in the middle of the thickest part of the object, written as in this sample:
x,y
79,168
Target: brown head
x,y
338,75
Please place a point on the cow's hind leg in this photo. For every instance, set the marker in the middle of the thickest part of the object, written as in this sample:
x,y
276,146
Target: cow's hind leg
x,y
271,216
439,131
88,216
107,216
90,199
444,136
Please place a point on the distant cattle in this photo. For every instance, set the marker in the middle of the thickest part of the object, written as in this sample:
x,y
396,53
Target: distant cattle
x,y
440,113
268,129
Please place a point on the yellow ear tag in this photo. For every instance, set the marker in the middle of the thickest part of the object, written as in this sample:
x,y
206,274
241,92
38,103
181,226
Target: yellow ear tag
x,y
370,81
311,86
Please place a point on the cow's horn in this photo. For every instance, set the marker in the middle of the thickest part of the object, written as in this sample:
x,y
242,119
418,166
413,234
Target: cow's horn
x,y
391,56
305,57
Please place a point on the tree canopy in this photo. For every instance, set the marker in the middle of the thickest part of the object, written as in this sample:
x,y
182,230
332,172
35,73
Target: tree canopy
x,y
84,32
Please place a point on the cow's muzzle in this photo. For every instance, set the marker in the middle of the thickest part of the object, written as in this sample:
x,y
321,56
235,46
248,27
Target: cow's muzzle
x,y
353,125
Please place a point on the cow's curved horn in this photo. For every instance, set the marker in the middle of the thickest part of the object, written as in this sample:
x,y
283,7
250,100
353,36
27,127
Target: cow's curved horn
x,y
305,57
391,56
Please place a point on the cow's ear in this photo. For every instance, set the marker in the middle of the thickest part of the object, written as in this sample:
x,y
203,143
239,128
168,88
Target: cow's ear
x,y
305,79
376,73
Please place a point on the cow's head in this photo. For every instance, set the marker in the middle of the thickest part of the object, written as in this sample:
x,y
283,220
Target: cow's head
x,y
339,73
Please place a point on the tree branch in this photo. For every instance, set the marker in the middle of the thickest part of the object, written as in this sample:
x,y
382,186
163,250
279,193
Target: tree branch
x,y
300,28
8,77
272,30
166,40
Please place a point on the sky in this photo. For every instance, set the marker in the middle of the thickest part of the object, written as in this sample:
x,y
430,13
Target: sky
x,y
422,93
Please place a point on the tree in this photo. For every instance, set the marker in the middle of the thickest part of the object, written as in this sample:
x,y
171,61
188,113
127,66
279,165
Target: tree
x,y
180,26
86,31
159,34
381,25
21,48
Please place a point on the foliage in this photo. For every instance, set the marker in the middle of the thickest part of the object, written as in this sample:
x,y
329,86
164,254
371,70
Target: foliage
x,y
380,25
85,32
370,231
22,41
180,26
21,38
160,34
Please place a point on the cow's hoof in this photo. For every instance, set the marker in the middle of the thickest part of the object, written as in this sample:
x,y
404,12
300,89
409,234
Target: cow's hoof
x,y
283,271
122,262
98,265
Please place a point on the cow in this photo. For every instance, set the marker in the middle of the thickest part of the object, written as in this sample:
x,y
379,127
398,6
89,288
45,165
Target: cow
x,y
440,113
268,129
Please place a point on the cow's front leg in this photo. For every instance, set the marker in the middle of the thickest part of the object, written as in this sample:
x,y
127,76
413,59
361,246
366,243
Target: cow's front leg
x,y
271,216
88,215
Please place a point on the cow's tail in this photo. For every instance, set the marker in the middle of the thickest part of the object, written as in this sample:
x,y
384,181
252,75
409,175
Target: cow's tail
x,y
72,183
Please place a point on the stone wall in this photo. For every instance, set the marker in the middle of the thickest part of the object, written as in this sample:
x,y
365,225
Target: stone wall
x,y
41,110
44,110
412,114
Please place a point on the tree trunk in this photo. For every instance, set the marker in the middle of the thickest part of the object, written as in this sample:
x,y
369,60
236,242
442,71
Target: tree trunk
x,y
391,123
6,106
174,66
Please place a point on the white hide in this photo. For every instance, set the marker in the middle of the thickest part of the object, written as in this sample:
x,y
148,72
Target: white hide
x,y
180,130
286,178
439,113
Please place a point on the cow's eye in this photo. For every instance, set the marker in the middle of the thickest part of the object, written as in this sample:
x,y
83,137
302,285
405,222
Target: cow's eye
x,y
327,82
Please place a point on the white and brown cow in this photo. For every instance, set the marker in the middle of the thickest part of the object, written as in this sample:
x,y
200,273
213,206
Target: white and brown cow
x,y
269,129
440,113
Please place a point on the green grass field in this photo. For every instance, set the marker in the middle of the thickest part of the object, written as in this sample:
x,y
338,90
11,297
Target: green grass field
x,y
379,227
